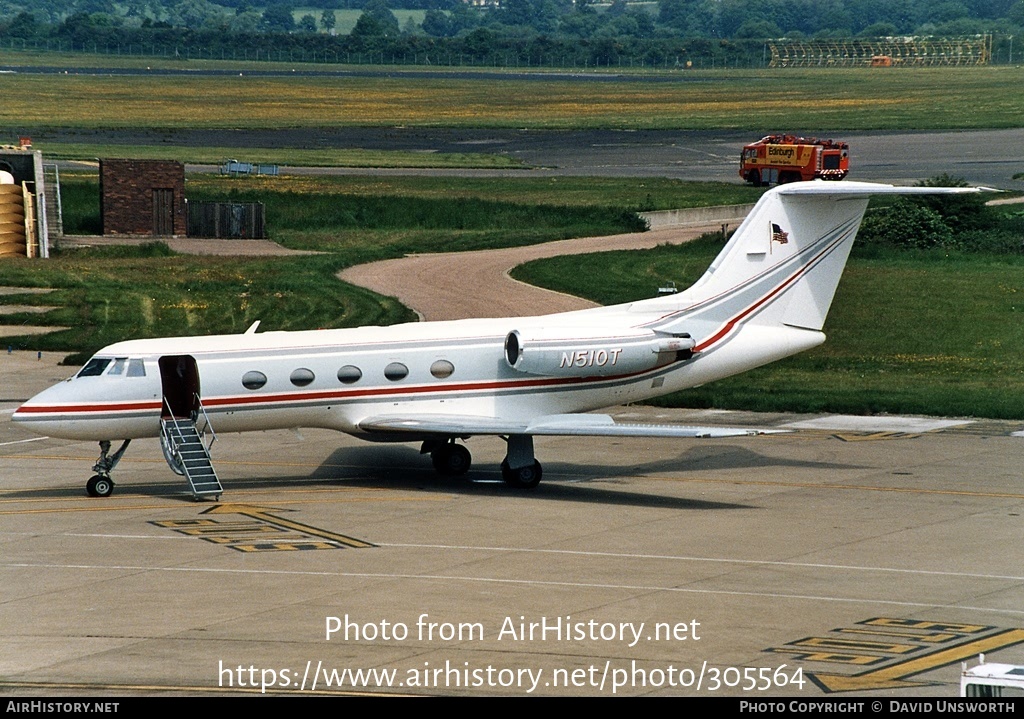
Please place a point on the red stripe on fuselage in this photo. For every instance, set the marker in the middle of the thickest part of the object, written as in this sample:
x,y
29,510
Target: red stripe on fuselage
x,y
58,408
327,395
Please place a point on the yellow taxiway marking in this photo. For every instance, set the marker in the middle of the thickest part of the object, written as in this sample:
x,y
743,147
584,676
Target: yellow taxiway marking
x,y
893,677
263,514
874,436
138,495
178,504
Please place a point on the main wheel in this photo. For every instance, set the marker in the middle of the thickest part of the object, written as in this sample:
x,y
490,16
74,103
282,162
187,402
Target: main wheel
x,y
526,477
99,486
452,460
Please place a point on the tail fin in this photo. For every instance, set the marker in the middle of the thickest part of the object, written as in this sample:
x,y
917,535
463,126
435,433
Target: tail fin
x,y
782,266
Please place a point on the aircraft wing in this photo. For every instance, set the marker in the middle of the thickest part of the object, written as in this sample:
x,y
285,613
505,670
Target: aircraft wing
x,y
578,425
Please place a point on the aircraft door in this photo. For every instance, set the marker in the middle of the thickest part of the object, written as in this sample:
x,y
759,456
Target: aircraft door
x,y
179,379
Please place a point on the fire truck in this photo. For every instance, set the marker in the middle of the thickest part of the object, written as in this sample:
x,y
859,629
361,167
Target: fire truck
x,y
786,158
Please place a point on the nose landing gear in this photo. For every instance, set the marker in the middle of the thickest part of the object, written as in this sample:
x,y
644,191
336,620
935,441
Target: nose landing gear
x,y
100,484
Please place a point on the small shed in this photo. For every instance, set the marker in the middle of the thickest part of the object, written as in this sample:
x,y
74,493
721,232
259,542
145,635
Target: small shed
x,y
142,197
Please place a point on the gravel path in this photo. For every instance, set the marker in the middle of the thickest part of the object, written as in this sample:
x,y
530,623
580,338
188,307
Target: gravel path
x,y
477,284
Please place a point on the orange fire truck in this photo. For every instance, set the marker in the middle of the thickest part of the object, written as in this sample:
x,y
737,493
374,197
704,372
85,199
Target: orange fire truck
x,y
786,158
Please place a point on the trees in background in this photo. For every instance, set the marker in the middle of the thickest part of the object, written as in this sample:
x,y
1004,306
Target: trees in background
x,y
512,32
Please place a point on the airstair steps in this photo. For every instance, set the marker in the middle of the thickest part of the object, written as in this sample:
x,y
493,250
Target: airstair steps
x,y
192,455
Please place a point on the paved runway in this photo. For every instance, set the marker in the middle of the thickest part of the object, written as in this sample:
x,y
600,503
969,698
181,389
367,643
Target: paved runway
x,y
848,554
981,157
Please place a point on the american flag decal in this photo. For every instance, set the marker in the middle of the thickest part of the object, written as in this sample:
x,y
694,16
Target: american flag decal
x,y
778,235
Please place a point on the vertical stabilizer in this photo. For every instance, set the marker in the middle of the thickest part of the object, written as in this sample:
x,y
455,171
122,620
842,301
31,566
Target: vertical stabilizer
x,y
782,266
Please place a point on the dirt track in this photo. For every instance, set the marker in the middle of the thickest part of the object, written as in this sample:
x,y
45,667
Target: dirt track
x,y
477,284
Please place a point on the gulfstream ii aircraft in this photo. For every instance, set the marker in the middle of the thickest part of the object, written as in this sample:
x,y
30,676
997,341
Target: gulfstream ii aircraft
x,y
763,298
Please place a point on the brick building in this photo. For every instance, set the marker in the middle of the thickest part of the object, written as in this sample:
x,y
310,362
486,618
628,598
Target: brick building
x,y
142,197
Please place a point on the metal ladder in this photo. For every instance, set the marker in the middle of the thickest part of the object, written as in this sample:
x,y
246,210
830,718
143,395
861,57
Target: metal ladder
x,y
187,453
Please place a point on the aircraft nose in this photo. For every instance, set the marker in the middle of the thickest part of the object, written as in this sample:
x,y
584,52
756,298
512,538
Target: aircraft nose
x,y
44,411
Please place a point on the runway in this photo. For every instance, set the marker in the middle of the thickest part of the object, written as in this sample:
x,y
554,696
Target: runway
x,y
863,555
980,157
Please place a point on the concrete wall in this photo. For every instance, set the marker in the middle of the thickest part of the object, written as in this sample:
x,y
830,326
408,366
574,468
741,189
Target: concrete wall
x,y
719,214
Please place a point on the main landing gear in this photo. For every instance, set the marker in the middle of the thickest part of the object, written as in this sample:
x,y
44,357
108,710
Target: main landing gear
x,y
519,469
100,484
450,459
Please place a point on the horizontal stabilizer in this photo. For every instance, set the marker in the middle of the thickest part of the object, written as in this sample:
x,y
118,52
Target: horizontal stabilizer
x,y
577,425
866,189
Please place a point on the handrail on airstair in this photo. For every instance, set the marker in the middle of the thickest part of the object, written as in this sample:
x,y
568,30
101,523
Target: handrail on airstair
x,y
206,423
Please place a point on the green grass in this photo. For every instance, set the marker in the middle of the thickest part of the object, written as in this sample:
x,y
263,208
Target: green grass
x,y
296,157
327,212
107,295
119,293
837,99
920,333
624,192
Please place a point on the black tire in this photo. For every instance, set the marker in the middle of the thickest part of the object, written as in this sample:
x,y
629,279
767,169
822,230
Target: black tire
x,y
99,486
451,460
754,178
526,477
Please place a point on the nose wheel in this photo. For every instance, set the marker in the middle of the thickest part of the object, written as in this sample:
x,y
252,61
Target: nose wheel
x,y
99,486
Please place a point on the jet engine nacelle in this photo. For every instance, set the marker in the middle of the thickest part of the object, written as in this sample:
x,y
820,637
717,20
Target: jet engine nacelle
x,y
569,352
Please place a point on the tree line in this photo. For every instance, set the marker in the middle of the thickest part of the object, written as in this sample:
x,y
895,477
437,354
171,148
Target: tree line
x,y
704,33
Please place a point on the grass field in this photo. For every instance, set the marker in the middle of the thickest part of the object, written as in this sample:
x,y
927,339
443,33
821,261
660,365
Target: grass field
x,y
651,193
105,296
925,98
919,333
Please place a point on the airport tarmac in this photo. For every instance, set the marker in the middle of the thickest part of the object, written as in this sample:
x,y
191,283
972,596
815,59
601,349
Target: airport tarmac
x,y
860,555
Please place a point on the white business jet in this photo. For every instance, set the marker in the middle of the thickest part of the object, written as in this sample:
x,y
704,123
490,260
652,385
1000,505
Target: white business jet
x,y
764,297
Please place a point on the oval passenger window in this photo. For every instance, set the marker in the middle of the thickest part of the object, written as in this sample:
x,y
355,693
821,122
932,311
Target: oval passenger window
x,y
253,380
442,369
349,374
396,371
302,376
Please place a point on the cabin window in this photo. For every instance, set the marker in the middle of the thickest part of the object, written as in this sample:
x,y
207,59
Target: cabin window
x,y
136,368
302,377
94,367
253,380
442,369
118,367
396,371
349,374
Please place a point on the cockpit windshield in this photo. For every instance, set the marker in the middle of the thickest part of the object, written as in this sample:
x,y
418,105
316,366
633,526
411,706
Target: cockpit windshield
x,y
94,367
113,366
